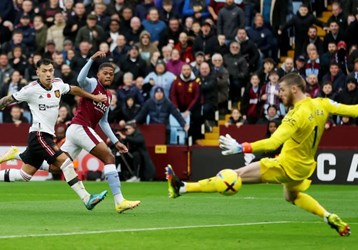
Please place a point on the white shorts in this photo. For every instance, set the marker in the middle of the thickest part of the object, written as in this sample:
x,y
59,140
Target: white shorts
x,y
80,137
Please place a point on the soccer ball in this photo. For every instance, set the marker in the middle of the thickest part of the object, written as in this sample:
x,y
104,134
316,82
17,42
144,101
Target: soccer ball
x,y
227,182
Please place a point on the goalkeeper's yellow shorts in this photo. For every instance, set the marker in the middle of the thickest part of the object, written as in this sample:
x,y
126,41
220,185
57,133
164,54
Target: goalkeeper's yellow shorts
x,y
273,172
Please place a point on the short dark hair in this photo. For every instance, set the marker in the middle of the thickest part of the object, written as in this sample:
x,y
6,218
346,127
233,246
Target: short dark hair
x,y
43,61
294,79
106,65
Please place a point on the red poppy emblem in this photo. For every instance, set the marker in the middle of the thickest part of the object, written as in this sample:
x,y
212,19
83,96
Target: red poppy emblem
x,y
48,95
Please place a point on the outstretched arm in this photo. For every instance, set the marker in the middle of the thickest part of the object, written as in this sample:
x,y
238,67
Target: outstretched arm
x,y
89,84
6,101
80,92
103,123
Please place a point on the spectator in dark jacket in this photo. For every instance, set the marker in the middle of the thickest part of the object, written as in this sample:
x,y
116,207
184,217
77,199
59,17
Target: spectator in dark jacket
x,y
230,17
206,41
248,49
336,76
75,22
134,63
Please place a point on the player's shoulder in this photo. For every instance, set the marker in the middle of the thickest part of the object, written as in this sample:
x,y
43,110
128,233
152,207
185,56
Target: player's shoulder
x,y
57,80
31,86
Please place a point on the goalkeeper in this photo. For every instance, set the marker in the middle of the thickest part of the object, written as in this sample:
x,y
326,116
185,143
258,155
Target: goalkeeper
x,y
300,134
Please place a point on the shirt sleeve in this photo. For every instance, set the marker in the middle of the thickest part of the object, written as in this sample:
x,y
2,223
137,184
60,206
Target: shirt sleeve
x,y
103,123
88,84
285,131
339,108
24,95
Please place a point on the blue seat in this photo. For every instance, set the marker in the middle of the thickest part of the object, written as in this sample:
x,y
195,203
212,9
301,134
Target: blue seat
x,y
178,135
1,117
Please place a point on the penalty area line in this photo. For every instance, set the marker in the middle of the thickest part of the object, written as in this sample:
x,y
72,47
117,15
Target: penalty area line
x,y
141,229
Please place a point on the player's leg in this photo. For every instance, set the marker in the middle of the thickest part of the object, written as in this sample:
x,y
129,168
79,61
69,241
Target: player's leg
x,y
102,152
64,163
24,174
249,174
309,204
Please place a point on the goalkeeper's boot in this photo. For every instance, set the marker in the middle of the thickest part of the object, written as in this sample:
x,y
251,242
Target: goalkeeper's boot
x,y
126,205
174,183
95,199
10,154
340,226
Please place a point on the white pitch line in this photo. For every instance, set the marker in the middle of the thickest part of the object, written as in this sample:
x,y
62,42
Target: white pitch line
x,y
140,229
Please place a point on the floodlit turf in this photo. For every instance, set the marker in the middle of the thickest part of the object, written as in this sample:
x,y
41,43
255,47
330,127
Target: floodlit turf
x,y
48,215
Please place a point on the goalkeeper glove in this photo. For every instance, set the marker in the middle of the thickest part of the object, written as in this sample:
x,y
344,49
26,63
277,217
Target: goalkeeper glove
x,y
230,146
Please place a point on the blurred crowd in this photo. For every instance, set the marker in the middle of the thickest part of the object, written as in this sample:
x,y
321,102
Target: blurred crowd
x,y
197,59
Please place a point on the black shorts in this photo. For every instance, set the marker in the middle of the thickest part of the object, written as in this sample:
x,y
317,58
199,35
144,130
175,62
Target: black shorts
x,y
40,147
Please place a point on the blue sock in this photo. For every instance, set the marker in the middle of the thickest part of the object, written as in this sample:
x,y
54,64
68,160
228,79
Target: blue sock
x,y
114,183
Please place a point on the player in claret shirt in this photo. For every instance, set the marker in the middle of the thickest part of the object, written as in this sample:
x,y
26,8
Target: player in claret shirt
x,y
81,135
43,97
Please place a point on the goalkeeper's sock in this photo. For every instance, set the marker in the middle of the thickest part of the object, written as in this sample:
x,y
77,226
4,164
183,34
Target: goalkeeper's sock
x,y
309,204
9,175
205,186
72,179
111,174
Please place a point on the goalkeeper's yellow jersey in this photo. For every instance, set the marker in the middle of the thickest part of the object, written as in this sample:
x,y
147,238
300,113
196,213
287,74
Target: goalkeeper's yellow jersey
x,y
300,133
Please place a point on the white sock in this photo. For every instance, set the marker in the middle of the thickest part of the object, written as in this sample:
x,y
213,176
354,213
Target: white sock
x,y
111,174
9,175
72,180
182,189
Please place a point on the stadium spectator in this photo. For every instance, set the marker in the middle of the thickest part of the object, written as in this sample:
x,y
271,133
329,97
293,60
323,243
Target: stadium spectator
x,y
301,22
272,113
111,35
68,76
138,156
312,37
114,109
263,37
170,35
328,57
313,64
185,47
222,77
27,31
55,32
135,29
133,63
300,63
313,88
327,90
206,41
251,104
199,59
58,61
351,31
32,76
216,5
48,10
348,95
103,19
18,61
40,34
286,67
270,93
13,84
336,76
335,35
198,9
342,57
236,119
208,96
128,111
128,88
237,66
160,77
64,115
175,64
121,50
91,32
81,57
264,72
185,95
230,18
248,49
338,16
142,10
75,22
154,25
166,12
16,116
146,47
5,69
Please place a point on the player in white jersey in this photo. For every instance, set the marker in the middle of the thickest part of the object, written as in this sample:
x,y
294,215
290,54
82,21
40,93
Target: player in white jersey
x,y
81,133
43,97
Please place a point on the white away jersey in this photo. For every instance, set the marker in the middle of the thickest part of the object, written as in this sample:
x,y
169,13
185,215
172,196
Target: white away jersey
x,y
43,103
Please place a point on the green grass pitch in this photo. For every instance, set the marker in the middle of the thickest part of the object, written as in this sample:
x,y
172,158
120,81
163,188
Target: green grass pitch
x,y
48,215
